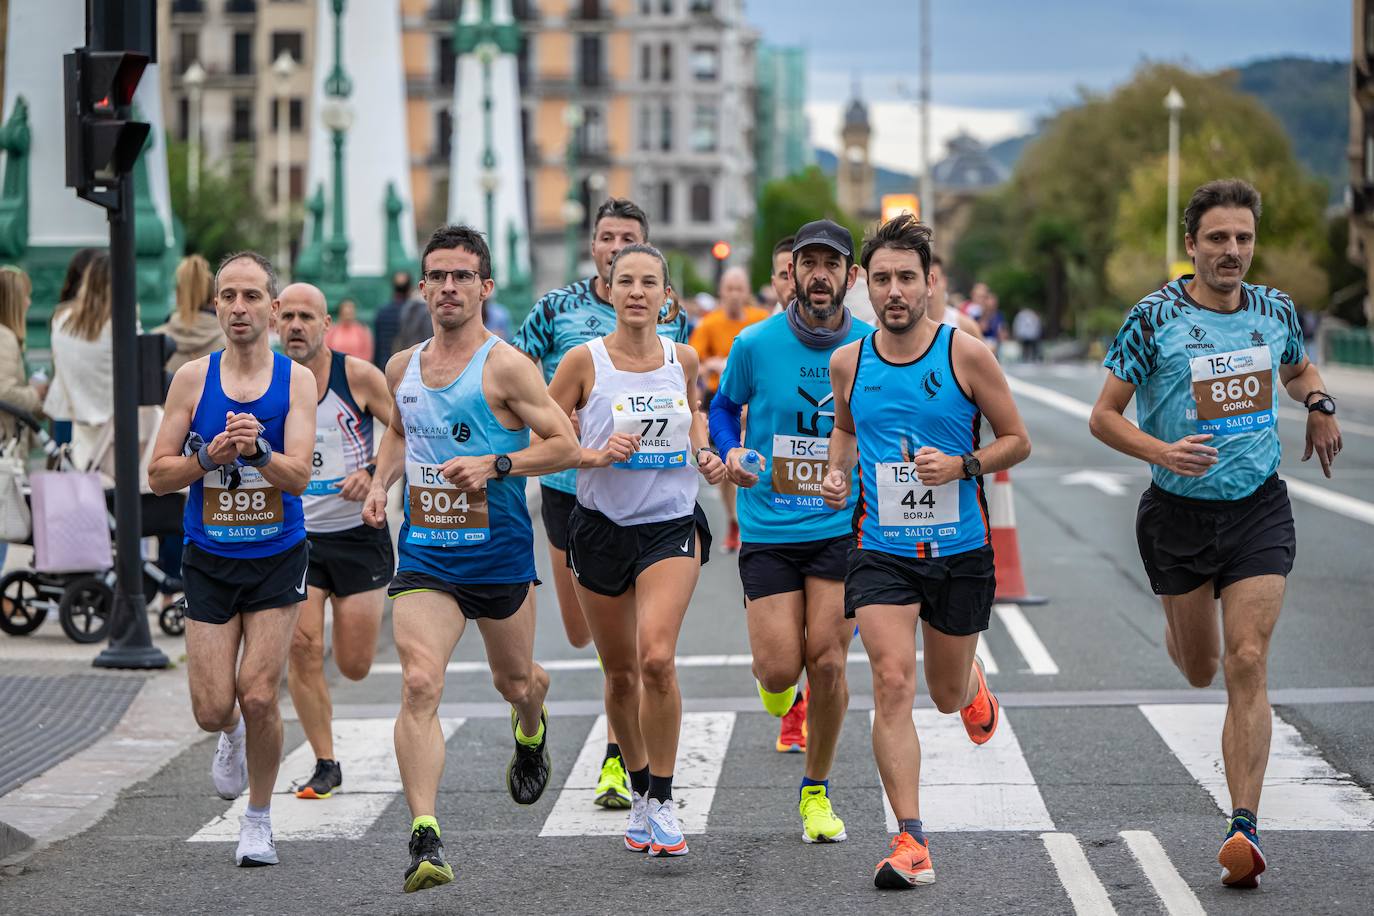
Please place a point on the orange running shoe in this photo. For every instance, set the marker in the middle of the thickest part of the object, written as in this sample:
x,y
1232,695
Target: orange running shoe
x,y
731,544
792,732
1241,858
908,866
980,716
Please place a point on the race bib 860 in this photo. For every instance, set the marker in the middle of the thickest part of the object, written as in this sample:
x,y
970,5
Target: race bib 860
x,y
1234,391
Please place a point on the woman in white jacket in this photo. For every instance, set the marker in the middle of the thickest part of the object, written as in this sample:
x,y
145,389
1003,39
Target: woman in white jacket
x,y
83,362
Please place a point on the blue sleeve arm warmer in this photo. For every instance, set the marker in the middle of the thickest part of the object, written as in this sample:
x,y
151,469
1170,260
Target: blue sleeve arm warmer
x,y
724,423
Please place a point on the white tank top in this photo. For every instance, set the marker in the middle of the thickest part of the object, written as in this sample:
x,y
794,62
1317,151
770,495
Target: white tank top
x,y
658,483
950,317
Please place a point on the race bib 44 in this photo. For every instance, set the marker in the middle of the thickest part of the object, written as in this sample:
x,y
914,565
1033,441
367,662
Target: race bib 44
x,y
441,515
910,511
1234,392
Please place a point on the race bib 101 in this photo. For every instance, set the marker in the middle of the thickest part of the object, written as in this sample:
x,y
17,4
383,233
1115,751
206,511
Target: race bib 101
x,y
910,511
250,511
327,463
1234,391
441,515
798,467
662,421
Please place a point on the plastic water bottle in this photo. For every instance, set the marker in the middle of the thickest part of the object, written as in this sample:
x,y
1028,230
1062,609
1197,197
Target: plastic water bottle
x,y
751,463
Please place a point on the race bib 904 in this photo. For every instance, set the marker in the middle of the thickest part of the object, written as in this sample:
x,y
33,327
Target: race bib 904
x,y
251,511
441,515
662,421
910,511
327,463
1234,392
798,467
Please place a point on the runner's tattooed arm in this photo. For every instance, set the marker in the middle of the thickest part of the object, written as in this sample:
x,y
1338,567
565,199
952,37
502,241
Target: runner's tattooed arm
x,y
844,450
391,452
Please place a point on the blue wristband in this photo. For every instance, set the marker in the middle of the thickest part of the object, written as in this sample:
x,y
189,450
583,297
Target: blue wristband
x,y
263,456
203,457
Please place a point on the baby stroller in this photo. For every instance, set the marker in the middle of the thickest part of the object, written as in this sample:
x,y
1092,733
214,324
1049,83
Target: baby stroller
x,y
84,600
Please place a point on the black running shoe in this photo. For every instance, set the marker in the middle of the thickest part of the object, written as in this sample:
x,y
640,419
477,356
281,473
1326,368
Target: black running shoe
x,y
328,777
529,768
427,866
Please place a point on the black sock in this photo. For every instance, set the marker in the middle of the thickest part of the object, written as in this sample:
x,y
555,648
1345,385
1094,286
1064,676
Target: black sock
x,y
913,826
661,788
1248,815
801,695
639,780
612,750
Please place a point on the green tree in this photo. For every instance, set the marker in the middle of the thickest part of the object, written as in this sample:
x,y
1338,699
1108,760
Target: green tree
x,y
224,215
787,204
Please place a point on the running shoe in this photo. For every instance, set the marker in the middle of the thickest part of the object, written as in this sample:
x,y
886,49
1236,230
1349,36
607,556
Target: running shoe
x,y
229,768
819,823
255,843
665,836
613,789
980,716
731,544
1241,858
328,777
637,836
427,866
792,731
528,772
908,866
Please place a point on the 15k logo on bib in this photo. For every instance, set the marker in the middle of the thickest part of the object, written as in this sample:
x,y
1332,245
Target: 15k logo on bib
x,y
1234,391
441,515
327,463
251,511
798,467
662,421
910,511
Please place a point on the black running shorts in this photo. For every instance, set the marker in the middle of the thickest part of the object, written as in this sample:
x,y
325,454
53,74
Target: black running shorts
x,y
555,508
775,569
477,601
1185,542
351,562
219,587
607,558
955,592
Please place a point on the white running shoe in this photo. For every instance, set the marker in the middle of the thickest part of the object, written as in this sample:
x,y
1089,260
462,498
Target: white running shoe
x,y
637,836
229,769
255,843
665,834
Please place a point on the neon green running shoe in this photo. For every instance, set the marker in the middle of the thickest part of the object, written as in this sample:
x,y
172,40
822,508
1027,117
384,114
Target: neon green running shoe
x,y
613,789
427,866
819,823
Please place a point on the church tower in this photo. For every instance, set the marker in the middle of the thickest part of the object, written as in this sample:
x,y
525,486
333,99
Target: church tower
x,y
854,185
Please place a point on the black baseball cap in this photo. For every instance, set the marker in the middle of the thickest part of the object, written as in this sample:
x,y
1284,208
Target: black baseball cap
x,y
825,232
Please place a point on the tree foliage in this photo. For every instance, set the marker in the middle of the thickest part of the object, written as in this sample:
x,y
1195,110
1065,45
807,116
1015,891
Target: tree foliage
x,y
225,215
787,204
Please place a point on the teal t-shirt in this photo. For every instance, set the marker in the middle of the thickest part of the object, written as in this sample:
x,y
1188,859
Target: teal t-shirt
x,y
1197,370
791,409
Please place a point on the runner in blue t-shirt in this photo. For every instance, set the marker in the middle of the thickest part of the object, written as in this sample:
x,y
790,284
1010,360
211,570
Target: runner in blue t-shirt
x,y
792,561
1204,357
560,320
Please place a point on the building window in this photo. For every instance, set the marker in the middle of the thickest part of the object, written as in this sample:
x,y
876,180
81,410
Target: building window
x,y
524,10
1369,153
188,50
666,63
242,130
444,10
646,127
646,63
589,9
705,62
188,6
295,180
243,53
240,6
522,62
443,134
665,128
646,7
665,203
295,114
1368,29
705,127
589,61
701,6
667,7
443,51
184,118
591,133
701,202
290,42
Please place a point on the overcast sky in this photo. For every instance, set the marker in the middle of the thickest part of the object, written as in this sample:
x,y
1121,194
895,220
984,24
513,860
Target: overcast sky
x,y
998,64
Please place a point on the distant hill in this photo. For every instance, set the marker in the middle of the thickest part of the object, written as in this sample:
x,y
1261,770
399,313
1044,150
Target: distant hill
x,y
1311,98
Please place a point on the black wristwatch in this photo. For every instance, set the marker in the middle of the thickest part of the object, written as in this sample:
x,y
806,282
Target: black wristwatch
x,y
972,467
502,466
1326,403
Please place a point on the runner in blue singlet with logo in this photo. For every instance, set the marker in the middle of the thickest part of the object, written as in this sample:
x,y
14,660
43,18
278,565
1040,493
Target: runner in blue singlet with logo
x,y
466,404
1204,357
561,320
238,429
909,401
795,548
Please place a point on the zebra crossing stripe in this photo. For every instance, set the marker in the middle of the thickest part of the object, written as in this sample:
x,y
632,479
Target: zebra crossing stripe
x,y
1302,791
969,787
1085,890
704,741
1178,898
364,748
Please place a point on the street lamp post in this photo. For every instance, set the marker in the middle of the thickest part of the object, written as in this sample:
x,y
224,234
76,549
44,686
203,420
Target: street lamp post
x,y
283,68
338,118
573,212
927,179
1173,103
194,80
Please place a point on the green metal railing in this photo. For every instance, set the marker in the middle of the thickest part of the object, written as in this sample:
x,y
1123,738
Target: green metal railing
x,y
1351,346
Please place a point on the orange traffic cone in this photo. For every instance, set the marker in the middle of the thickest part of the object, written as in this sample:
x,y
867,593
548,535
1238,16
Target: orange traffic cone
x,y
1011,582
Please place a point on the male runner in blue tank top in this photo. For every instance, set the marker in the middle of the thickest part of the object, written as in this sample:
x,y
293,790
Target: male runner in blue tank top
x,y
238,429
1204,356
909,400
350,562
795,548
560,320
466,404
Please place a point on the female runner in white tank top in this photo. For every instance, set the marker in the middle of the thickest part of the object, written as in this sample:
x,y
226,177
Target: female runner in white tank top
x,y
637,538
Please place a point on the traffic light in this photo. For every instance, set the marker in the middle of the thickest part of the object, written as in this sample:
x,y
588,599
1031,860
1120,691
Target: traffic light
x,y
98,89
721,252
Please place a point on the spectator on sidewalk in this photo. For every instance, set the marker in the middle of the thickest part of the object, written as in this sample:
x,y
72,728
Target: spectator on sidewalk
x,y
193,326
388,319
16,388
347,334
82,388
1027,329
71,282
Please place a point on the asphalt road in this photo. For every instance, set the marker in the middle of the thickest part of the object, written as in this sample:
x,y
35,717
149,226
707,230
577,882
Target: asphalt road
x,y
1093,798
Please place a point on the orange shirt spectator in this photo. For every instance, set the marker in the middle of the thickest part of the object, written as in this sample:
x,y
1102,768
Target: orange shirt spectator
x,y
349,335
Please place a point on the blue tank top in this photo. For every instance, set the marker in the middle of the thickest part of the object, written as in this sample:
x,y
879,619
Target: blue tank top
x,y
478,536
233,511
899,409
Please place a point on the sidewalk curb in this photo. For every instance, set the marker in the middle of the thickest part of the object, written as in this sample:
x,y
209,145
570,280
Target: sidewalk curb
x,y
78,792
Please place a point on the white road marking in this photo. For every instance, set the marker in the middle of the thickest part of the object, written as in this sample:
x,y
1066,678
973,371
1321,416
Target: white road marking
x,y
1178,898
972,787
1347,426
705,738
1085,890
1026,639
371,781
1050,398
1301,790
1109,482
683,661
